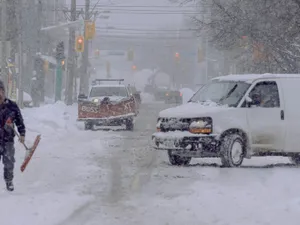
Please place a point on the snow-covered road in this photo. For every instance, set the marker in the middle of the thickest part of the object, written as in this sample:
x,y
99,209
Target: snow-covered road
x,y
112,178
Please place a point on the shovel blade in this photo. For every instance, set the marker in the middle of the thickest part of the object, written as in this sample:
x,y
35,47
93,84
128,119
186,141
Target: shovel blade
x,y
29,153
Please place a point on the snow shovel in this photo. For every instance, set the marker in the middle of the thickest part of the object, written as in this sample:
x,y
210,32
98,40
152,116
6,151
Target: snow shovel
x,y
29,151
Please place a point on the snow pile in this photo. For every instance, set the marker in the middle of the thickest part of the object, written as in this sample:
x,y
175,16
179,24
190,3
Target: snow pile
x,y
140,78
162,80
26,96
186,94
49,119
54,183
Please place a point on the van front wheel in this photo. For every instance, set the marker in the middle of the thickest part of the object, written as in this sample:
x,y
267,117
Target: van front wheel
x,y
177,160
232,150
295,159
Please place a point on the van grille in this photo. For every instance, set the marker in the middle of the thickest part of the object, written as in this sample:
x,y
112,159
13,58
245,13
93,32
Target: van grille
x,y
176,124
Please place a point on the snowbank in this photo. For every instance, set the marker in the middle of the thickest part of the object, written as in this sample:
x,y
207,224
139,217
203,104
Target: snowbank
x,y
52,186
140,78
26,96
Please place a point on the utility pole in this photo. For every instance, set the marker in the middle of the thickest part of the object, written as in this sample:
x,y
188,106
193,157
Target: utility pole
x,y
3,42
71,56
84,77
20,45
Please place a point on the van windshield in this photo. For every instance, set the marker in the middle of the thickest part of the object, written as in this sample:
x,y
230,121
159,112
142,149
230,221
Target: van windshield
x,y
221,92
106,91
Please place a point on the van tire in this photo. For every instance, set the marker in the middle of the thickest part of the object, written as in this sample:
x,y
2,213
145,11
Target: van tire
x,y
129,125
295,159
177,160
231,144
88,126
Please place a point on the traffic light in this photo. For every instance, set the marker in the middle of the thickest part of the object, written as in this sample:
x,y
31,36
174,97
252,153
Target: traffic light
x,y
177,57
90,30
79,44
244,42
63,64
97,53
130,55
60,51
134,67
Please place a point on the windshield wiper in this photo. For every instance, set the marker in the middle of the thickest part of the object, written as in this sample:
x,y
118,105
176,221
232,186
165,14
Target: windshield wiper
x,y
229,93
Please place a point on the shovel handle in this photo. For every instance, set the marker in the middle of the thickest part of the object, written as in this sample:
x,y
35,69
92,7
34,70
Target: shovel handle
x,y
19,138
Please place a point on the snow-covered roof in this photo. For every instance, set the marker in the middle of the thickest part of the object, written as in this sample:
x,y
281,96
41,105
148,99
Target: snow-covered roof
x,y
249,78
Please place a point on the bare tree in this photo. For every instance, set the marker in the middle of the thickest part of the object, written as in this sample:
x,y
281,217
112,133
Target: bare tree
x,y
260,35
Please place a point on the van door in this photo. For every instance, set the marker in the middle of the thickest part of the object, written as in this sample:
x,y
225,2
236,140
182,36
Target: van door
x,y
265,116
291,93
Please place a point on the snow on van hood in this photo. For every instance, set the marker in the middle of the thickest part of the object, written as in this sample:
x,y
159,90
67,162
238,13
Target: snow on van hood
x,y
192,110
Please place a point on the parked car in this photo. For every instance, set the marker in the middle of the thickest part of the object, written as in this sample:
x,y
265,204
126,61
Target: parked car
x,y
174,97
160,93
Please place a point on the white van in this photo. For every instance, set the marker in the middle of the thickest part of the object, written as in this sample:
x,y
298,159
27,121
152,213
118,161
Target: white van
x,y
234,117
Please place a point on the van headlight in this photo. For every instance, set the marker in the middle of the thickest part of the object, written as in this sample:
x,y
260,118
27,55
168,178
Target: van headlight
x,y
201,127
96,100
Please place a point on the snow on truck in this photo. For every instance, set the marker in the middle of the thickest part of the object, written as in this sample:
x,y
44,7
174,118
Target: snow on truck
x,y
108,104
234,117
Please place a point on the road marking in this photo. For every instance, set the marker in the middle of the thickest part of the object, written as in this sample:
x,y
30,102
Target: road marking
x,y
135,183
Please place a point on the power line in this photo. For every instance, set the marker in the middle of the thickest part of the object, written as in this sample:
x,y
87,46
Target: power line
x,y
145,6
139,29
174,32
149,12
159,38
143,33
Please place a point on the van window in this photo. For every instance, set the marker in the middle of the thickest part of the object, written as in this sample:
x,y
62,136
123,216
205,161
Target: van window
x,y
265,94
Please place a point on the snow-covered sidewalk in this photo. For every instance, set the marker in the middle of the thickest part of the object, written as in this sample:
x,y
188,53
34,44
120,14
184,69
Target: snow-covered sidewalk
x,y
56,180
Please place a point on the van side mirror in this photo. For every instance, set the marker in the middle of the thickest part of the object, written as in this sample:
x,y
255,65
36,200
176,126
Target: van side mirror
x,y
249,101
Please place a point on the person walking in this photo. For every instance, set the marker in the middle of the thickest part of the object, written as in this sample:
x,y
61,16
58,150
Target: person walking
x,y
10,114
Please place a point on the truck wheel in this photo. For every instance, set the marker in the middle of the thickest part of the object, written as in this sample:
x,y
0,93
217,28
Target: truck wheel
x,y
129,125
295,159
232,150
177,160
88,126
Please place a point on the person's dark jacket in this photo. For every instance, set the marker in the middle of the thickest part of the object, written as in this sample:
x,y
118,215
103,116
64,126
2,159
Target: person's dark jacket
x,y
10,110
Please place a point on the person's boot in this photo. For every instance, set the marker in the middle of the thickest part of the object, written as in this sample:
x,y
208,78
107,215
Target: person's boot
x,y
9,186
